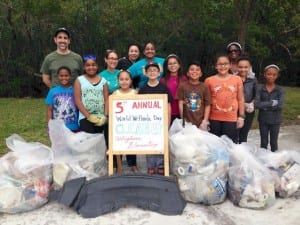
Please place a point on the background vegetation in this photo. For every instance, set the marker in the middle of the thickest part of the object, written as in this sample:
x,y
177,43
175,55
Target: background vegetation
x,y
27,117
268,30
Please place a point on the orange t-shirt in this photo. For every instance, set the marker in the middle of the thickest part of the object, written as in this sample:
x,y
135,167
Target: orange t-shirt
x,y
224,97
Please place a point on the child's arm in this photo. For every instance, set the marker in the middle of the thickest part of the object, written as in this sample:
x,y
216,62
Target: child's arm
x,y
49,113
169,114
180,106
204,124
78,101
241,107
105,96
241,102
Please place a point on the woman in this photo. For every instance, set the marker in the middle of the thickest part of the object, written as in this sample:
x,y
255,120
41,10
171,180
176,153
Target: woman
x,y
234,51
138,68
133,56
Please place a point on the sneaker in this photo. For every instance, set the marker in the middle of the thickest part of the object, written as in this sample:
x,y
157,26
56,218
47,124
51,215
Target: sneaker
x,y
151,171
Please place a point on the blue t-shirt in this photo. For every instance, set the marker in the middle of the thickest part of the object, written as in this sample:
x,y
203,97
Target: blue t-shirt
x,y
138,69
112,79
63,104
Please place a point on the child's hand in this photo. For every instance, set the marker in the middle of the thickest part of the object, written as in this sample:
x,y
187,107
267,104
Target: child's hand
x,y
274,102
240,122
93,118
204,125
101,121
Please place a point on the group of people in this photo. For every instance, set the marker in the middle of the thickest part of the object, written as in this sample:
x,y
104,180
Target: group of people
x,y
224,104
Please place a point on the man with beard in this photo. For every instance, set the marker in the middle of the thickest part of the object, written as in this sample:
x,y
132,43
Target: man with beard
x,y
62,56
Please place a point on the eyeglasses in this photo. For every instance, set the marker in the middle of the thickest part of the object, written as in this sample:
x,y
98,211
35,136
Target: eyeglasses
x,y
111,58
223,64
90,56
171,64
152,71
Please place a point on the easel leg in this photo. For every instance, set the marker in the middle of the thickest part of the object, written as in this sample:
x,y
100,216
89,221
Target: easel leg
x,y
119,164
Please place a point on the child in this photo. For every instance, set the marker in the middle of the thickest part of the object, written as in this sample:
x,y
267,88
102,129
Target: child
x,y
269,100
111,73
227,112
91,98
172,77
60,101
194,98
250,88
125,82
155,163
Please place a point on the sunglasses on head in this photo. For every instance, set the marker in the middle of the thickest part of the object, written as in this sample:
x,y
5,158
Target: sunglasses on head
x,y
87,57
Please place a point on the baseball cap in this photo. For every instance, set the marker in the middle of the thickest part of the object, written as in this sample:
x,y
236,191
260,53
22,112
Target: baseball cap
x,y
152,65
62,29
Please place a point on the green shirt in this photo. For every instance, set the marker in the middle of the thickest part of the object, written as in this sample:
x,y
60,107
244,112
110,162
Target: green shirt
x,y
54,60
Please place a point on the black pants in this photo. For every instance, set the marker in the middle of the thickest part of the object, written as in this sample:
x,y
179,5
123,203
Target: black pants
x,y
243,132
266,129
220,128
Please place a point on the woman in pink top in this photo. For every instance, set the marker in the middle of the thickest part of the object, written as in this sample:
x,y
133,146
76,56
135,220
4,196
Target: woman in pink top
x,y
172,76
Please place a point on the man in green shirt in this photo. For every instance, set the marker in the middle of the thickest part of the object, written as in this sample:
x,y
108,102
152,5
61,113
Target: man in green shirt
x,y
62,56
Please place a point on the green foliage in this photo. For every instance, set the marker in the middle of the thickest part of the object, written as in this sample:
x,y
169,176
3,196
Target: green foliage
x,y
192,29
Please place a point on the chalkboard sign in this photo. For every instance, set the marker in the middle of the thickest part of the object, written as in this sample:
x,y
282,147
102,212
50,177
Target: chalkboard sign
x,y
138,124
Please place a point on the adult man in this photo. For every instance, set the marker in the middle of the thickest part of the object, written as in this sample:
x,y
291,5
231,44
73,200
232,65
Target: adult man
x,y
63,56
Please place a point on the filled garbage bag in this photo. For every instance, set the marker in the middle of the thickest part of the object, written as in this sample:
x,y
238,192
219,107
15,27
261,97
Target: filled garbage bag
x,y
76,154
200,162
25,175
250,184
285,169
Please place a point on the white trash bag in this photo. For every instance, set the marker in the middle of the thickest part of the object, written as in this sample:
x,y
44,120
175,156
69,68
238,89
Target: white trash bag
x,y
25,175
250,184
76,154
285,169
200,161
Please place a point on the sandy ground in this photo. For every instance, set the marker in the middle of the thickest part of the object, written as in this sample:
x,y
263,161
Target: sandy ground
x,y
284,211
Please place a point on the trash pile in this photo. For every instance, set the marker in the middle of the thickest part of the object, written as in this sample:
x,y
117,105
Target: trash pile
x,y
207,167
30,170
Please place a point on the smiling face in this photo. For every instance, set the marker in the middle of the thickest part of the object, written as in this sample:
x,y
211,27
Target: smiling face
x,y
62,41
149,51
133,53
64,77
223,65
173,65
194,73
111,60
125,80
152,73
90,67
244,68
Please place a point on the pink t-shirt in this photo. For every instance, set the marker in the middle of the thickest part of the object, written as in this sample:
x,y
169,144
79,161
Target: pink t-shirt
x,y
173,84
